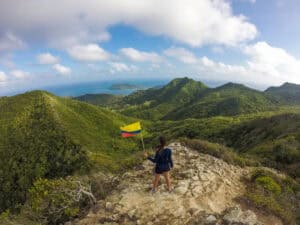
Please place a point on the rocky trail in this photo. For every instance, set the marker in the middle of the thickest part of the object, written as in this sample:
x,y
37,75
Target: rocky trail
x,y
204,192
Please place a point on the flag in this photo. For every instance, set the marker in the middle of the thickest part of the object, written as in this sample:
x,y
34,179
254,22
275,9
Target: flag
x,y
131,129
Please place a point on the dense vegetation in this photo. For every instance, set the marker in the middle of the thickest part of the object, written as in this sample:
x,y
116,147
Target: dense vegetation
x,y
275,141
288,92
43,136
33,145
101,99
277,194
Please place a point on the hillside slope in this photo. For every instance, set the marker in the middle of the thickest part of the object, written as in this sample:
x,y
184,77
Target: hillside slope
x,y
101,99
156,103
46,136
273,140
288,92
227,100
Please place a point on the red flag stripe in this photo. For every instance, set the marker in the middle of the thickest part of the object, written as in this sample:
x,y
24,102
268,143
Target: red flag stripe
x,y
125,135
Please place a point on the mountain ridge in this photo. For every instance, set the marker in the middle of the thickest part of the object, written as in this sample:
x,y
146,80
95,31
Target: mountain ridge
x,y
185,98
288,92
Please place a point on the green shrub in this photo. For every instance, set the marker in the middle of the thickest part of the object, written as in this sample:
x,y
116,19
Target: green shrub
x,y
56,201
274,193
269,184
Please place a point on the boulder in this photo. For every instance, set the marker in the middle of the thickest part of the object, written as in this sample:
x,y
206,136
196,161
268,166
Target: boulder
x,y
236,215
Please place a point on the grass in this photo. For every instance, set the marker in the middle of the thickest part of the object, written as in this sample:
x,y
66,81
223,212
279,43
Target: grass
x,y
219,151
274,193
97,131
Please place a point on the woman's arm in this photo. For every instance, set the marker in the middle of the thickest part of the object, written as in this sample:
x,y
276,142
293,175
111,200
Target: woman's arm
x,y
151,159
154,160
170,159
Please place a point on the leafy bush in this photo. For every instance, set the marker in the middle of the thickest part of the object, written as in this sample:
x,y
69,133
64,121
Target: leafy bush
x,y
274,193
269,184
57,201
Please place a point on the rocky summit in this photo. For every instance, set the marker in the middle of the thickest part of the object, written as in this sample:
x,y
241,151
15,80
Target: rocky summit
x,y
205,190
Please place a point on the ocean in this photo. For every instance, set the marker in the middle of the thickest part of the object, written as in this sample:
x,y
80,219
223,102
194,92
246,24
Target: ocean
x,y
73,90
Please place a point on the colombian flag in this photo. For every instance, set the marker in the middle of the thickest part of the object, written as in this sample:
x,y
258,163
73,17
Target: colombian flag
x,y
131,129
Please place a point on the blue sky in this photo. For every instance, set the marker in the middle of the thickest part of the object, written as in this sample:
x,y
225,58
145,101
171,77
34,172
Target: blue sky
x,y
55,42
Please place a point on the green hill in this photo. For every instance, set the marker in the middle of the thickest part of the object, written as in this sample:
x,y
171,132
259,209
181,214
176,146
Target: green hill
x,y
228,100
47,136
155,103
184,98
104,100
275,141
288,92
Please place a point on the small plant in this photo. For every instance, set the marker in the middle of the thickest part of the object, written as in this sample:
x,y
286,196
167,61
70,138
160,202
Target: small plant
x,y
269,184
57,201
274,193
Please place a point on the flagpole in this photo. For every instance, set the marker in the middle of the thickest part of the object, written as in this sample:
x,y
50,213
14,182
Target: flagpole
x,y
142,141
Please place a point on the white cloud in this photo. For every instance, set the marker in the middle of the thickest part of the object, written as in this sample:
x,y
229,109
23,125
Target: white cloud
x,y
207,62
121,67
47,58
181,54
193,22
274,62
140,56
62,69
90,52
8,41
3,76
19,74
266,66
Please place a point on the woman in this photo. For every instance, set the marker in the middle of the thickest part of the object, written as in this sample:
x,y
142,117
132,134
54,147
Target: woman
x,y
163,162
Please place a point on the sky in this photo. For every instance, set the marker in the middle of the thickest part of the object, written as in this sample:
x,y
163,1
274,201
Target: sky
x,y
56,42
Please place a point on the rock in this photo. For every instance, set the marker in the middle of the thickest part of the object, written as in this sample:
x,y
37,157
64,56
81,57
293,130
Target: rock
x,y
192,211
194,178
109,206
210,219
131,213
181,190
236,215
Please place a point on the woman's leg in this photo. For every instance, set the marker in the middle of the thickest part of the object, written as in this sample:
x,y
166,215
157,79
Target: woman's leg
x,y
168,180
155,181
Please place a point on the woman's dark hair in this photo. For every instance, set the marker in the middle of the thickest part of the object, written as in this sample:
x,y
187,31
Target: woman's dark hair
x,y
162,141
162,144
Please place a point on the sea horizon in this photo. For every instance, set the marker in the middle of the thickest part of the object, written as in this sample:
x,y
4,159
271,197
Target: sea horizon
x,y
93,87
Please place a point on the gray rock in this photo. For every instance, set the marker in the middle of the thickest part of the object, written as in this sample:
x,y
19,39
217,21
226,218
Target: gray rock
x,y
236,215
109,206
211,219
131,213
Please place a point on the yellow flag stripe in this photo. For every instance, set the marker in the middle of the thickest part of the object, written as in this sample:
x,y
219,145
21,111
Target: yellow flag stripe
x,y
131,127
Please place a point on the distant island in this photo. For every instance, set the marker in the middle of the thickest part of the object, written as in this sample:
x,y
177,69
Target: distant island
x,y
124,87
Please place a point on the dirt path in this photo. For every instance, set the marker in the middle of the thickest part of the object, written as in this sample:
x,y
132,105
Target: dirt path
x,y
204,192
